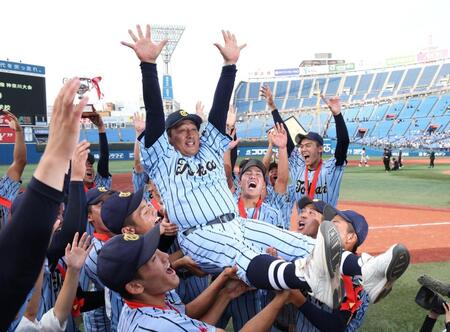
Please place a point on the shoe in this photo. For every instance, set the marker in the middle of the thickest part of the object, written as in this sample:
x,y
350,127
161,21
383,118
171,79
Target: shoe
x,y
435,285
321,270
379,273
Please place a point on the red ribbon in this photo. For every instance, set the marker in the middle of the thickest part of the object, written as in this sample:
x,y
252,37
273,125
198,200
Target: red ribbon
x,y
101,237
135,305
352,303
95,81
310,190
243,212
5,202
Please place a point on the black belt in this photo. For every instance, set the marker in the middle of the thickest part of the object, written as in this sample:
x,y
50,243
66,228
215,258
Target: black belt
x,y
219,220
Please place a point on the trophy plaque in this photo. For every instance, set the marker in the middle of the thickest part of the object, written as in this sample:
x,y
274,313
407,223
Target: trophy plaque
x,y
86,85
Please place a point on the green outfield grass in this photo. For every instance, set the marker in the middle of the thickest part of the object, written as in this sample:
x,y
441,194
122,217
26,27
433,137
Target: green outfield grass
x,y
399,312
414,184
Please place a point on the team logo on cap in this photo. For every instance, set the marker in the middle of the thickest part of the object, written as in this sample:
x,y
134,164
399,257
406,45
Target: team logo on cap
x,y
130,237
102,189
123,194
184,113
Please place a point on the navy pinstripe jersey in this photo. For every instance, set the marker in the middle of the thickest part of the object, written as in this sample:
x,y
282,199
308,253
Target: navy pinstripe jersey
x,y
194,189
328,184
9,190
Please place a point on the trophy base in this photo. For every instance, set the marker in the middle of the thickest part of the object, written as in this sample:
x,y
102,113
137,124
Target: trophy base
x,y
88,111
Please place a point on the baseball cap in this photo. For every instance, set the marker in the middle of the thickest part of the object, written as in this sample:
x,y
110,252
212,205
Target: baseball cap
x,y
306,200
251,163
118,207
358,221
95,195
91,158
122,256
313,136
176,117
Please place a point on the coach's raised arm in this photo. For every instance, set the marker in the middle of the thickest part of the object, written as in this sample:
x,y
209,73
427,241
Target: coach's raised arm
x,y
24,241
147,51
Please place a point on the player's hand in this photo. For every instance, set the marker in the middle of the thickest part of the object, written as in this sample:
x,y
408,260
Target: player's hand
x,y
167,228
79,158
231,119
269,137
234,142
145,49
139,123
65,123
235,288
230,50
279,136
77,252
334,104
13,121
446,306
188,263
97,121
200,110
296,298
267,95
229,273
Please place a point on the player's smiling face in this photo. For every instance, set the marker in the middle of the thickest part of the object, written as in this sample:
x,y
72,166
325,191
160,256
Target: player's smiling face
x,y
309,220
144,218
252,182
311,152
273,175
157,276
185,138
90,173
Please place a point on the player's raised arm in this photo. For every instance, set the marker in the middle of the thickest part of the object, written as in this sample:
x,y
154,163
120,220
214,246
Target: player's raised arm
x,y
103,162
20,151
230,52
279,138
267,95
31,226
147,51
334,104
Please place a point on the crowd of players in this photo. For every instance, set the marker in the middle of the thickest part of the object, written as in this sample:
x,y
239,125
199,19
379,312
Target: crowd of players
x,y
196,243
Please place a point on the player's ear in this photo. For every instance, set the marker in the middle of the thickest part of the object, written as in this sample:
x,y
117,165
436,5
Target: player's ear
x,y
128,229
134,287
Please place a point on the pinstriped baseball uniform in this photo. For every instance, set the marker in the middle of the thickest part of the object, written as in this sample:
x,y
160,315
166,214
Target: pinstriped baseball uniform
x,y
195,191
95,320
329,180
8,190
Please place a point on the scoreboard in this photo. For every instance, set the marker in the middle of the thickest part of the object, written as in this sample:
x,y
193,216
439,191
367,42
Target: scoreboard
x,y
22,92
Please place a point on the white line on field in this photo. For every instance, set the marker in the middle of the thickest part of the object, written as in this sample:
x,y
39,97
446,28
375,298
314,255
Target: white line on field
x,y
412,225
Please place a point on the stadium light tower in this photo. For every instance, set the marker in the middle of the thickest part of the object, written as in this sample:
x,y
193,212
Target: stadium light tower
x,y
173,34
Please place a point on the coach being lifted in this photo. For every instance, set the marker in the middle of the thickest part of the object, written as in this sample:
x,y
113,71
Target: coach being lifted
x,y
312,176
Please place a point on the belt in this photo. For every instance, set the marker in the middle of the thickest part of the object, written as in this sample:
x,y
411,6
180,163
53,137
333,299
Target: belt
x,y
219,220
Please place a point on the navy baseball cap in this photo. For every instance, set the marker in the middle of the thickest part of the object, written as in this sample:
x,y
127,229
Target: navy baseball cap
x,y
251,163
118,207
95,195
358,221
176,117
91,158
122,256
313,136
319,205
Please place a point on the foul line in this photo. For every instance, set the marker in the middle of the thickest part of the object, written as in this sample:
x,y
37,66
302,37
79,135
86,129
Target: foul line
x,y
412,225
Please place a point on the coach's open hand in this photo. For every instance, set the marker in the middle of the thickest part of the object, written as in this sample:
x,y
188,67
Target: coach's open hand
x,y
230,51
146,50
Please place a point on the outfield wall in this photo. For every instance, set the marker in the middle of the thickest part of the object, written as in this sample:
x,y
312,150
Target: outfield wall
x,y
124,151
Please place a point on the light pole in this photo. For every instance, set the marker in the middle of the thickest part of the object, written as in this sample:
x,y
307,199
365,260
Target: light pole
x,y
171,33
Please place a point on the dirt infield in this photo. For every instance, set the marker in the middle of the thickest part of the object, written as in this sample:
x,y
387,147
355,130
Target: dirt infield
x,y
425,231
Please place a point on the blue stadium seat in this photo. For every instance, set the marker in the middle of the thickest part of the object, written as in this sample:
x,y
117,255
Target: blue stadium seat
x,y
425,107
